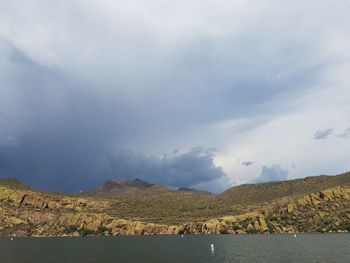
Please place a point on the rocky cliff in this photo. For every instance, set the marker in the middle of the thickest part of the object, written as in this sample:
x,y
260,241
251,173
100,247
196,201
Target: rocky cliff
x,y
324,211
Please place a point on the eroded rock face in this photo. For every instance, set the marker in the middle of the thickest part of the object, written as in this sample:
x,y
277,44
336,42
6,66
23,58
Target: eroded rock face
x,y
28,213
325,211
31,213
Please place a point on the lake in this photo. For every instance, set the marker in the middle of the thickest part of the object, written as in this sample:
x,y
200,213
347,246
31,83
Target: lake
x,y
310,248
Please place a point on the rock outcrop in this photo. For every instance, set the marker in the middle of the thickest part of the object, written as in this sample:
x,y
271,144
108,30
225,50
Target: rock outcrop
x,y
324,211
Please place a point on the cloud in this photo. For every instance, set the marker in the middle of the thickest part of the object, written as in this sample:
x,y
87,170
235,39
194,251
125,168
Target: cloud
x,y
248,163
195,167
81,80
273,173
345,134
322,134
216,186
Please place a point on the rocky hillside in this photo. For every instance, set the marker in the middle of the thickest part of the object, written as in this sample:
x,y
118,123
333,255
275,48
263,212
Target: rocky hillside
x,y
324,207
324,211
267,192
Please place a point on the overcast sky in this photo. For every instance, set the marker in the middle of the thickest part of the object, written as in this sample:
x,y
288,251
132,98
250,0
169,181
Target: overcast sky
x,y
187,93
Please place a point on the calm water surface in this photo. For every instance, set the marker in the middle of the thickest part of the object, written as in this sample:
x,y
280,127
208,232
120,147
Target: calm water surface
x,y
189,249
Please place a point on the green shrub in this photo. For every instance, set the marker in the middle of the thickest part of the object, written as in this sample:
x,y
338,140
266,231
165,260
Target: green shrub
x,y
102,229
285,217
223,230
236,226
252,231
71,229
270,227
86,232
345,226
343,213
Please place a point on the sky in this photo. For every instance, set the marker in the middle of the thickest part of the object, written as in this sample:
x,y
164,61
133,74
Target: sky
x,y
188,93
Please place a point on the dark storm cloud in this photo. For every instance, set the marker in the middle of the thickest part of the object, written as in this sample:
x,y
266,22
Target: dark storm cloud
x,y
322,134
64,130
181,170
273,173
69,137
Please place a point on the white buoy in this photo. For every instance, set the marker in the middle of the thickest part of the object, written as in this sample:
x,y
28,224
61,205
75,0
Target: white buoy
x,y
295,235
11,238
182,235
212,248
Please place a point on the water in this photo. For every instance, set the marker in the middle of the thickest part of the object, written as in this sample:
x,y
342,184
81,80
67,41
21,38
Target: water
x,y
188,249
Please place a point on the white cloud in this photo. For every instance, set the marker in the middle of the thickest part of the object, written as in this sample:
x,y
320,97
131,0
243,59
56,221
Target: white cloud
x,y
345,134
322,134
287,139
271,174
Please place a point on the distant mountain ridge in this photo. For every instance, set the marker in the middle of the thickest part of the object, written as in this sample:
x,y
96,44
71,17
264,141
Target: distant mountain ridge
x,y
135,186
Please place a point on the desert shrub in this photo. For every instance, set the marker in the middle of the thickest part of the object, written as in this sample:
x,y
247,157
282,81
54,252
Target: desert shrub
x,y
322,195
270,227
102,229
344,226
347,226
343,213
271,218
223,230
303,227
252,231
71,229
236,226
85,232
285,217
326,222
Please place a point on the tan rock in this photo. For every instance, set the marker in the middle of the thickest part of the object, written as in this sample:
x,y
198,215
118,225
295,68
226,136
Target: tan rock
x,y
290,208
16,221
263,225
250,227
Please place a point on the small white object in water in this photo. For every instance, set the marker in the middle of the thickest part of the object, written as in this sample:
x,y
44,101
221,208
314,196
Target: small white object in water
x,y
212,248
295,235
11,238
182,235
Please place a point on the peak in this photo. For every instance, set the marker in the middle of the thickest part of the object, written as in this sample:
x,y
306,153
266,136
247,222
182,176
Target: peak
x,y
121,186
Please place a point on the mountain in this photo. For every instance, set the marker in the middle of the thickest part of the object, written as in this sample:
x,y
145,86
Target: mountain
x,y
124,207
137,188
122,186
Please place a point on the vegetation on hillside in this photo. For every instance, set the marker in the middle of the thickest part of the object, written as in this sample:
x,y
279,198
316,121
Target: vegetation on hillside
x,y
314,204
